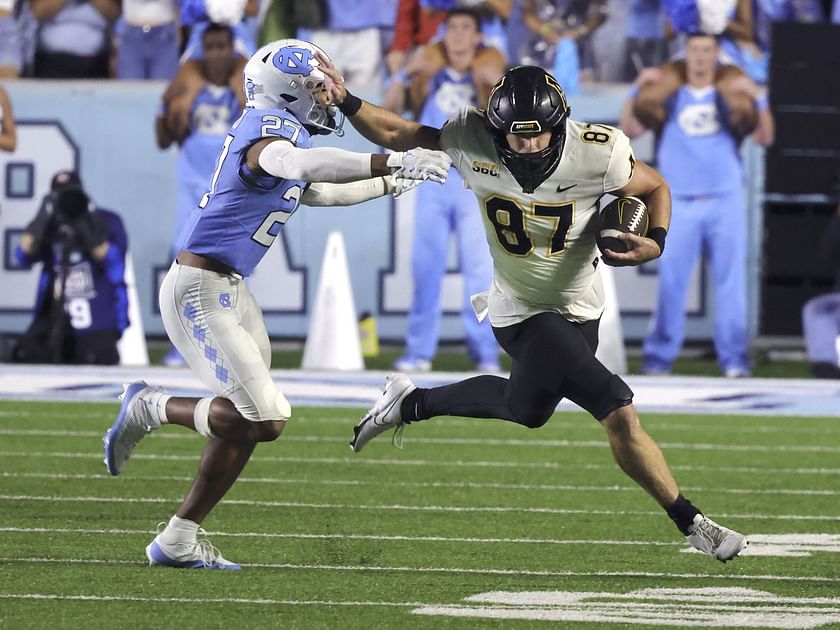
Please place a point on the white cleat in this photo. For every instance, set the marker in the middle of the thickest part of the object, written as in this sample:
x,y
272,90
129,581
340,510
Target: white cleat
x,y
196,554
132,424
715,540
385,413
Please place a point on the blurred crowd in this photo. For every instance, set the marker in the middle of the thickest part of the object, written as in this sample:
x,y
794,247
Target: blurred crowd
x,y
377,43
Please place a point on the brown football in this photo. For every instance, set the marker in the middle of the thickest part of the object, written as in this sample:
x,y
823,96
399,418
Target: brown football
x,y
623,214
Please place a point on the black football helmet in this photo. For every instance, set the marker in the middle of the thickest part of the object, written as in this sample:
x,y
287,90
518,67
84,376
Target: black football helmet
x,y
527,100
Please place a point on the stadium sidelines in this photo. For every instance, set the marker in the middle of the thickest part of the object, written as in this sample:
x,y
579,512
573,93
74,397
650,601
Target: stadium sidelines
x,y
791,397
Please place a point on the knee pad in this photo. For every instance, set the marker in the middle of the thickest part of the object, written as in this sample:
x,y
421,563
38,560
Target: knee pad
x,y
270,404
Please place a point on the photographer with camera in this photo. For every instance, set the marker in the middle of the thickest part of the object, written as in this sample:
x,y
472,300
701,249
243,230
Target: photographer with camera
x,y
81,308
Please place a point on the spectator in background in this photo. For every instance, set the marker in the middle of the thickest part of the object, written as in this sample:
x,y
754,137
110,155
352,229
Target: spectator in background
x,y
197,14
148,40
8,131
73,39
560,39
11,46
646,43
416,24
698,155
211,113
821,315
351,34
81,308
451,208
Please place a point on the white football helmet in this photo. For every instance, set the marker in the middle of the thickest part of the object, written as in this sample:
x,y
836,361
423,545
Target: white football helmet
x,y
285,75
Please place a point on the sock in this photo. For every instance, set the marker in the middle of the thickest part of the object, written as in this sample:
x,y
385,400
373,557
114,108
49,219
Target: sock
x,y
201,417
156,404
178,530
682,512
411,408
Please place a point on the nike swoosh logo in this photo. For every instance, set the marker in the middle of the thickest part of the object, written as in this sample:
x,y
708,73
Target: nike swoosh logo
x,y
562,189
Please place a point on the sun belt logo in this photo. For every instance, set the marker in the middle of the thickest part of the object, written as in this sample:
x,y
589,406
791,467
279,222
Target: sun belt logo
x,y
294,60
485,168
667,607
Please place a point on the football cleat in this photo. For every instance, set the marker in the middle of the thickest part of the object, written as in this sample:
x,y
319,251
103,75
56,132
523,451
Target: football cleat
x,y
196,554
715,540
132,424
385,413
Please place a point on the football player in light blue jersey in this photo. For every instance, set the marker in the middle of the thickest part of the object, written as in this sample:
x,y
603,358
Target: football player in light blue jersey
x,y
449,209
266,167
698,154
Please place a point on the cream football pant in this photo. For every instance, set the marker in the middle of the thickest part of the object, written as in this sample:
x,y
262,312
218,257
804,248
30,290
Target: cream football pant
x,y
215,323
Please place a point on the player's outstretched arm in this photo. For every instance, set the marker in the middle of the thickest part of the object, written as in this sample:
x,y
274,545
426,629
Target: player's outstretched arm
x,y
377,124
649,186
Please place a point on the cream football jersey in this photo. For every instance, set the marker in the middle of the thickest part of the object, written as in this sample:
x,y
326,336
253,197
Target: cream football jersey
x,y
543,244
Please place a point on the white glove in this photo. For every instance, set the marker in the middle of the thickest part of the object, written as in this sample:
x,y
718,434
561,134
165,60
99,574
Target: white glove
x,y
420,164
396,184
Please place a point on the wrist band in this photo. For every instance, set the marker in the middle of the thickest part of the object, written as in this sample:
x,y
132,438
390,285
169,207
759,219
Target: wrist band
x,y
761,102
657,235
351,104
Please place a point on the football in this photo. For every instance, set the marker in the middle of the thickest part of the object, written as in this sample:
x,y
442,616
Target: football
x,y
623,214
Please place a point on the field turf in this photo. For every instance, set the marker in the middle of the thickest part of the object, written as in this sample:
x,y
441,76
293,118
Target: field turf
x,y
394,538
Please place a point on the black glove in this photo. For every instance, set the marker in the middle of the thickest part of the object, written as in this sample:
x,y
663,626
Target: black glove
x,y
91,230
38,227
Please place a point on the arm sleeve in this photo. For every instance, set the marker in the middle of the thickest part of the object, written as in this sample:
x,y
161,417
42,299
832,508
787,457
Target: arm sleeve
x,y
621,163
321,164
325,194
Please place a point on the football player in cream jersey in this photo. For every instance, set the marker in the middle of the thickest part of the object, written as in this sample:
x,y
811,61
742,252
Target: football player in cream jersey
x,y
538,176
265,169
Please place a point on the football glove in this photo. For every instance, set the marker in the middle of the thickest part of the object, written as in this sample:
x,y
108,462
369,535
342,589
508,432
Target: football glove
x,y
420,164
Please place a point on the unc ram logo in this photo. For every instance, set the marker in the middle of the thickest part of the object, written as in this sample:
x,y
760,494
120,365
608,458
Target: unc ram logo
x,y
293,60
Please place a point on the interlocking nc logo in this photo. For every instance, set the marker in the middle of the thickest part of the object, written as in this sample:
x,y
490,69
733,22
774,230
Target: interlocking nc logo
x,y
225,300
294,60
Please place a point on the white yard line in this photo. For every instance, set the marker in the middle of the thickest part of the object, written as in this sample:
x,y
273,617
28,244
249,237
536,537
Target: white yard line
x,y
406,508
356,460
759,448
466,571
209,600
374,537
418,484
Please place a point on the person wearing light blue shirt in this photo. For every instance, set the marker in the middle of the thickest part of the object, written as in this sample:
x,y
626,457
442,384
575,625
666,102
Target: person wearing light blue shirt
x,y
698,154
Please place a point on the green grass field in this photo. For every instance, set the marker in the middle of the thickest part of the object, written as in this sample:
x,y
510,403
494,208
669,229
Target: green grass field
x,y
390,538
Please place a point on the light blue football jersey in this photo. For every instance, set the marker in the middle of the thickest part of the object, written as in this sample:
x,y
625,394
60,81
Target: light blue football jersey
x,y
240,216
698,152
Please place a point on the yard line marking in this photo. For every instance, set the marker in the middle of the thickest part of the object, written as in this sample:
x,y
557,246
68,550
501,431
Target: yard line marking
x,y
208,600
408,508
420,484
351,460
465,571
552,443
377,537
